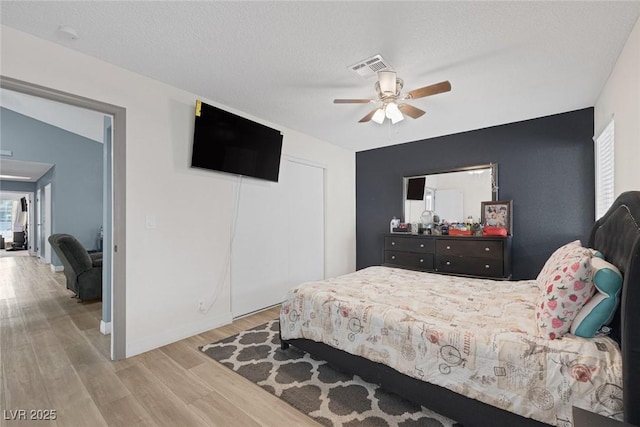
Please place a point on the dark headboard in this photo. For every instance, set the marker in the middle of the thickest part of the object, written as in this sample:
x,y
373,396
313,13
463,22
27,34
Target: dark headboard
x,y
617,236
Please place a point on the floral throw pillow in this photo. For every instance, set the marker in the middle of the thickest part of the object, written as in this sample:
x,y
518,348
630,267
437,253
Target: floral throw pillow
x,y
566,284
555,259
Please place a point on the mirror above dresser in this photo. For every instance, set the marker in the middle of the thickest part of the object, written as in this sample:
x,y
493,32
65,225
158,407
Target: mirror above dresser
x,y
453,194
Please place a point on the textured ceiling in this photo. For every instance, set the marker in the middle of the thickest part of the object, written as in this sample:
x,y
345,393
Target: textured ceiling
x,y
286,61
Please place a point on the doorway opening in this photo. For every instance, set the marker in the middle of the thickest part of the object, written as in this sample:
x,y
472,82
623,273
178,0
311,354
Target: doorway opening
x,y
114,223
16,221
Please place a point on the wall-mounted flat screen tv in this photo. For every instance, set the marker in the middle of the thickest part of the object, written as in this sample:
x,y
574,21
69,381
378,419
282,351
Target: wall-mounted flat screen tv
x,y
226,142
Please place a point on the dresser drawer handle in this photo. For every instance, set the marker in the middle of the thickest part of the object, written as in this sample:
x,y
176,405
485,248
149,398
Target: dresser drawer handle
x,y
422,245
421,260
487,266
393,243
393,257
448,247
448,262
487,249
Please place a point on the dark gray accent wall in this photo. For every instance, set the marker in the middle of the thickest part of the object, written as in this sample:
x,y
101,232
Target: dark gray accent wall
x,y
545,165
76,178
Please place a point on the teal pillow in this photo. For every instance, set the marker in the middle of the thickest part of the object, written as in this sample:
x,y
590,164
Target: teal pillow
x,y
599,310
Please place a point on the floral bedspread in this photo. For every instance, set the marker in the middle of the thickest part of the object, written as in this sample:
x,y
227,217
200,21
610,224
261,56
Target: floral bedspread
x,y
475,337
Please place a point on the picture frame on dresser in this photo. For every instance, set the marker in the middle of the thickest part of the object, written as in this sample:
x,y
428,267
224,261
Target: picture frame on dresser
x,y
497,213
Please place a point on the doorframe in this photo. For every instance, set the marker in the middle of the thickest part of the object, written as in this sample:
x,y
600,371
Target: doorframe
x,y
46,217
118,249
38,223
31,229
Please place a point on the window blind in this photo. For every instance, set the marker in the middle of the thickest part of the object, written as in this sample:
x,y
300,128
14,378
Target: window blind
x,y
604,156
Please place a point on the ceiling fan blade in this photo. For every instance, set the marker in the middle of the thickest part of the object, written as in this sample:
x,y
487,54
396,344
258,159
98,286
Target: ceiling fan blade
x,y
368,116
411,111
434,89
351,101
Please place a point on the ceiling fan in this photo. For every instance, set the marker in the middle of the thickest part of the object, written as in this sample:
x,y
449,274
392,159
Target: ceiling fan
x,y
392,106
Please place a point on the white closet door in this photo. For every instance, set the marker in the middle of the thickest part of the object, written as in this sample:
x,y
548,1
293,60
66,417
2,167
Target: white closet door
x,y
279,237
305,192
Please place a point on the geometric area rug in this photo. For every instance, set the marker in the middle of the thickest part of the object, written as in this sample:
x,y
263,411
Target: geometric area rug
x,y
312,386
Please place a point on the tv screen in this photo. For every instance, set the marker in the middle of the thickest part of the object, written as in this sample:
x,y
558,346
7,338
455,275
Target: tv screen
x,y
415,188
226,142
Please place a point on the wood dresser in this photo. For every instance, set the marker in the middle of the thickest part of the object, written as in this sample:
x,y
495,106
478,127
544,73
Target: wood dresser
x,y
476,256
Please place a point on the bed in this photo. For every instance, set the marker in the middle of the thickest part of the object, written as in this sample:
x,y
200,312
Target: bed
x,y
475,354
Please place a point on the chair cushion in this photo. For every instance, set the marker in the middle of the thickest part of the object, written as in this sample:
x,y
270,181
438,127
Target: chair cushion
x,y
75,253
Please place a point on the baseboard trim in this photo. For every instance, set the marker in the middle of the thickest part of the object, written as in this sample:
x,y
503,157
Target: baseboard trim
x,y
105,327
56,268
172,335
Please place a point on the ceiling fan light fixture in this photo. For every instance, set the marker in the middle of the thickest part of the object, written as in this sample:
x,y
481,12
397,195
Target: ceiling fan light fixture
x,y
387,80
378,116
391,109
393,113
389,89
397,118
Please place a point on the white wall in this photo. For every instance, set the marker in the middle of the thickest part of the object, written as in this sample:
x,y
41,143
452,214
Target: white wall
x,y
170,268
620,99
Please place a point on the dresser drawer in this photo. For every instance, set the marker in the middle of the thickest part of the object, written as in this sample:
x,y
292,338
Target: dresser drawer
x,y
478,249
474,266
477,256
409,259
409,244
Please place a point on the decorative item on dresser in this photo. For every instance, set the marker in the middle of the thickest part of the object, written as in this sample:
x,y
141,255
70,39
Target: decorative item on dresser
x,y
477,256
497,213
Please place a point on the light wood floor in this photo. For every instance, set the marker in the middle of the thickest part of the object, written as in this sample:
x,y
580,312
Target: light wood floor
x,y
53,357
